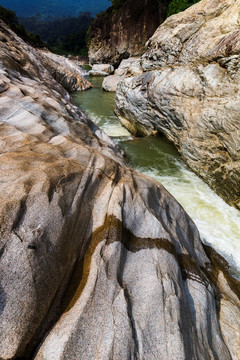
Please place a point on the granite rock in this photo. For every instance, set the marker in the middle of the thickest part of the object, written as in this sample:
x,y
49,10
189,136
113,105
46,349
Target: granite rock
x,y
101,70
96,260
110,82
65,71
187,87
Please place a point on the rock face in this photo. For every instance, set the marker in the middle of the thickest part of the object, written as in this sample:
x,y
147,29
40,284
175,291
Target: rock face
x,y
189,91
116,35
101,70
96,260
110,82
49,157
65,71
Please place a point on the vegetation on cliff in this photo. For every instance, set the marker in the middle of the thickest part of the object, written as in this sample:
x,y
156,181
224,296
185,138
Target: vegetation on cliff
x,y
10,18
123,29
60,8
61,35
116,4
175,6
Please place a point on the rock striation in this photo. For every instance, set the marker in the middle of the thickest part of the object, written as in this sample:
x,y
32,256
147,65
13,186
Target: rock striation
x,y
96,260
65,71
110,82
118,34
188,89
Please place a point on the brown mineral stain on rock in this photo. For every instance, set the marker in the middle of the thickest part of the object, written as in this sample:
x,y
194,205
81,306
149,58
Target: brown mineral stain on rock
x,y
61,177
188,90
219,264
114,231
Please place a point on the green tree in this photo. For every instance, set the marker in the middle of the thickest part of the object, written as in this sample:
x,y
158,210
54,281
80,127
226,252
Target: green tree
x,y
8,16
176,6
116,4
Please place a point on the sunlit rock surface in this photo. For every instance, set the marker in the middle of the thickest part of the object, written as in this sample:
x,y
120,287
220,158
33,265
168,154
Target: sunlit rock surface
x,y
101,70
189,90
96,260
65,71
110,82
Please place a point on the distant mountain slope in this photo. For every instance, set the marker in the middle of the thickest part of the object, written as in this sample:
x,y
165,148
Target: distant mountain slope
x,y
55,8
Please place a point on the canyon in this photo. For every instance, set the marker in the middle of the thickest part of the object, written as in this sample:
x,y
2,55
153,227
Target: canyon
x,y
96,259
186,86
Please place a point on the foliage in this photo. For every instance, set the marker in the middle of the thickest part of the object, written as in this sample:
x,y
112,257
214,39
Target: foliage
x,y
176,6
116,4
54,8
62,35
10,18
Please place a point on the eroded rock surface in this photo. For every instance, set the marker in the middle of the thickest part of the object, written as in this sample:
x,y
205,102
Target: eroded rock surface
x,y
49,150
96,260
65,71
110,82
189,90
101,70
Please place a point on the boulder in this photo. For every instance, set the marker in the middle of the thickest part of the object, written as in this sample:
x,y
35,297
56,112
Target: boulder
x,y
41,174
96,260
101,70
65,71
110,82
189,91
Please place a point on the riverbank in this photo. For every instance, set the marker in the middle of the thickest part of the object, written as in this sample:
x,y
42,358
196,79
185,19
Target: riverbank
x,y
218,223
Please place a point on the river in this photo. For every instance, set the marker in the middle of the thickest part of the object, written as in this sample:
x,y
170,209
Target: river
x,y
218,223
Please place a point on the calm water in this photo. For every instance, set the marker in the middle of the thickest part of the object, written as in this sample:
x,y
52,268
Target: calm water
x,y
218,223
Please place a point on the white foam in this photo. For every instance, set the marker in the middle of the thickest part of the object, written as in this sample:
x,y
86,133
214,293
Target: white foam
x,y
109,125
218,223
114,130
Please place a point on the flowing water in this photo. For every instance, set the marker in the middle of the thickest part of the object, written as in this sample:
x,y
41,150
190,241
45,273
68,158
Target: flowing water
x,y
218,223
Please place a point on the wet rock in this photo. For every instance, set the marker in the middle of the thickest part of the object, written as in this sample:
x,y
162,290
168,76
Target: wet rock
x,y
96,260
189,90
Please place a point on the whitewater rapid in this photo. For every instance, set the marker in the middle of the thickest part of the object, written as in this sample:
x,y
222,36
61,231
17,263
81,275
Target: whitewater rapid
x,y
218,223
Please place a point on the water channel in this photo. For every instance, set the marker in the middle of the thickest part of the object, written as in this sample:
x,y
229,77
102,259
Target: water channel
x,y
218,223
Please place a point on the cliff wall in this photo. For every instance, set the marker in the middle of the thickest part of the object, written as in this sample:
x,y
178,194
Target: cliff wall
x,y
116,35
96,260
188,89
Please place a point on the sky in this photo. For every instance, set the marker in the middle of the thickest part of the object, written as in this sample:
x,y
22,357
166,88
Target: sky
x,y
55,8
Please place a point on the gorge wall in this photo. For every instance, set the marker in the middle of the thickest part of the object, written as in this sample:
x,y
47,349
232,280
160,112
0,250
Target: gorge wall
x,y
96,260
187,87
118,34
